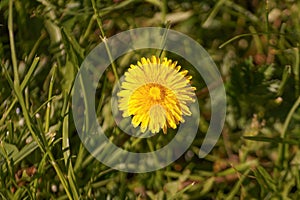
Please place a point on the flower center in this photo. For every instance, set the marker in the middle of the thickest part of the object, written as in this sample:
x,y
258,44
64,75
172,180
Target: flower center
x,y
155,93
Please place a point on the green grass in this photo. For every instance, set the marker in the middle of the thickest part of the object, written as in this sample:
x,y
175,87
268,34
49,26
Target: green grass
x,y
255,44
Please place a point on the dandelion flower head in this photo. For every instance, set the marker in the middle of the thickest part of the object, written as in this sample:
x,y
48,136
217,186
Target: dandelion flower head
x,y
156,94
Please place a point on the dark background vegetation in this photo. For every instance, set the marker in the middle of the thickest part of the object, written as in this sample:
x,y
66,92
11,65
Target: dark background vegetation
x,y
254,43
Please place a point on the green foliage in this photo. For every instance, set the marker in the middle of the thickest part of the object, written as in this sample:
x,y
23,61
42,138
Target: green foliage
x,y
254,43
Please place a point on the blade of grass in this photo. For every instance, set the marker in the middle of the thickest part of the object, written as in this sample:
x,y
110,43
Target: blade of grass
x,y
241,10
157,3
282,40
282,148
40,170
267,22
61,176
237,186
115,7
17,90
71,39
296,71
101,101
29,73
12,44
239,167
79,158
163,41
272,140
66,148
5,155
237,37
257,41
38,138
213,13
209,183
48,109
72,181
164,10
23,85
3,196
65,132
42,106
285,75
179,194
265,178
87,31
35,47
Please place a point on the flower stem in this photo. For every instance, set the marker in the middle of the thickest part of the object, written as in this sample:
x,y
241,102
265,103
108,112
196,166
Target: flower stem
x,y
104,39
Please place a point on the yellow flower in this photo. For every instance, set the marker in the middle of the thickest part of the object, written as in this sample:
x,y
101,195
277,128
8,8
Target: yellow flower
x,y
156,94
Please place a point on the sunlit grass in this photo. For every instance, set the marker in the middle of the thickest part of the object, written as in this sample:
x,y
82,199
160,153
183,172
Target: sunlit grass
x,y
256,47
